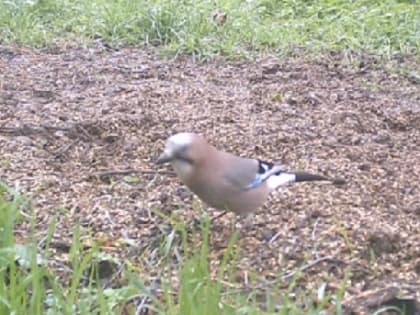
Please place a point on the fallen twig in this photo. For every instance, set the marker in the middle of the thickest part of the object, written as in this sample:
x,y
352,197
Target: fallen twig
x,y
284,277
218,216
140,309
129,171
308,266
313,238
64,149
274,238
28,129
75,130
373,298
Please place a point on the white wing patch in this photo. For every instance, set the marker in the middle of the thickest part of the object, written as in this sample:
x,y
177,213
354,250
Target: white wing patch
x,y
266,171
275,181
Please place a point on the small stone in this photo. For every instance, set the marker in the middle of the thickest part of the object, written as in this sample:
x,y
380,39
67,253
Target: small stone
x,y
316,214
24,141
271,68
381,138
417,267
382,242
111,138
267,235
364,167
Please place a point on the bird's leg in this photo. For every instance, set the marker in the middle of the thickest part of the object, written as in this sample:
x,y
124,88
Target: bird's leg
x,y
218,216
205,214
202,211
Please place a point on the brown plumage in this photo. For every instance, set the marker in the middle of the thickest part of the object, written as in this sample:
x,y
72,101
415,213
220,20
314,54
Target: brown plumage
x,y
223,180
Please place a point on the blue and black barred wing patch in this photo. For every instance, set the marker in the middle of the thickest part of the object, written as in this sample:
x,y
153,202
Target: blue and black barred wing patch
x,y
265,170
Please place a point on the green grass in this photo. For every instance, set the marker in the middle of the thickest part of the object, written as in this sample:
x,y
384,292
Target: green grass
x,y
385,27
30,285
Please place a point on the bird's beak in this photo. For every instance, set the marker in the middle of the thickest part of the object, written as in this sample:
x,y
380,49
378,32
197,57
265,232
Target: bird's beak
x,y
164,158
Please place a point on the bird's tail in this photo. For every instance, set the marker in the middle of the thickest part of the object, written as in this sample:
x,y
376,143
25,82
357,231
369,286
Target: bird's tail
x,y
285,178
308,177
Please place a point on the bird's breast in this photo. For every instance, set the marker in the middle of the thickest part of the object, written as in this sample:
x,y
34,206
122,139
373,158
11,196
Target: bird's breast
x,y
183,169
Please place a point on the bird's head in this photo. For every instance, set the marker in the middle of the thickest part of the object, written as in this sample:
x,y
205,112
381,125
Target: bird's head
x,y
181,147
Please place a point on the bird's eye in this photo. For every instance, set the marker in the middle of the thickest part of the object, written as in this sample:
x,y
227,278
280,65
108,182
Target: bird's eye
x,y
185,159
181,154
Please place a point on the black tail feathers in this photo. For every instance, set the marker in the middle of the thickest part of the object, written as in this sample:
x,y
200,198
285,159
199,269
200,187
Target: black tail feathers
x,y
307,177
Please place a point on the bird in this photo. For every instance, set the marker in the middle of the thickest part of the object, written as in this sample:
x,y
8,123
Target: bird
x,y
225,181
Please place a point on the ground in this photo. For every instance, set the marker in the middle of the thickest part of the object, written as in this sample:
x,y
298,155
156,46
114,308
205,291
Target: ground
x,y
80,129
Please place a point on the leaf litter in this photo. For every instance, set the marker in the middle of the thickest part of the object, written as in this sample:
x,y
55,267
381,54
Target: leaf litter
x,y
80,129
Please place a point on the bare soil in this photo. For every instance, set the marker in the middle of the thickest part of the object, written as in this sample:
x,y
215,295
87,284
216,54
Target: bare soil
x,y
80,129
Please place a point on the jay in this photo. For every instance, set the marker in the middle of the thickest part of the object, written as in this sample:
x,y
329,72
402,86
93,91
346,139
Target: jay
x,y
225,181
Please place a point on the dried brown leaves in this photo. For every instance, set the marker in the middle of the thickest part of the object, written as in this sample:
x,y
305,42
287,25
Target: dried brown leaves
x,y
82,112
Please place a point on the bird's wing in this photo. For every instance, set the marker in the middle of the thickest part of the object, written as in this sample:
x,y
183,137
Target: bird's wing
x,y
239,172
244,173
